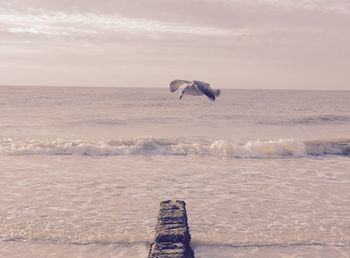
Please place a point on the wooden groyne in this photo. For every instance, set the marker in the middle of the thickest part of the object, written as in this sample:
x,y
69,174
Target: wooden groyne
x,y
172,239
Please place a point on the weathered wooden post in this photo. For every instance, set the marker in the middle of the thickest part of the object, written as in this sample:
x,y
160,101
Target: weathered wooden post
x,y
173,237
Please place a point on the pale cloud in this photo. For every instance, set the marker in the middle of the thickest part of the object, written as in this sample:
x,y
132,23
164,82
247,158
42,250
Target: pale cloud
x,y
339,6
59,23
231,43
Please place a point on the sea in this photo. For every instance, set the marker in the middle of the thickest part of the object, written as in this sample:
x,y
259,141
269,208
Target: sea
x,y
264,173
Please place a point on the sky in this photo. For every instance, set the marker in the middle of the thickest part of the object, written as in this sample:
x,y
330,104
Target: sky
x,y
240,44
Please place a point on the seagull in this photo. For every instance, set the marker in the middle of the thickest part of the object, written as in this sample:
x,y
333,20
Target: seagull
x,y
194,88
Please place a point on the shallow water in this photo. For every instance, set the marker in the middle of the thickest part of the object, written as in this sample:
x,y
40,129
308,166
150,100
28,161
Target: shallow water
x,y
83,171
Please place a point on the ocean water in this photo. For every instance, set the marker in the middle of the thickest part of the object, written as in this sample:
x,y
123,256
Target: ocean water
x,y
264,173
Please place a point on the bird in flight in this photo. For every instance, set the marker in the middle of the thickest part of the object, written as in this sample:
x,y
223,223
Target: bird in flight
x,y
194,88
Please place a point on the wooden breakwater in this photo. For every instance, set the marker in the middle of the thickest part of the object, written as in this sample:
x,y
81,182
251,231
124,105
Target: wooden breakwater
x,y
172,238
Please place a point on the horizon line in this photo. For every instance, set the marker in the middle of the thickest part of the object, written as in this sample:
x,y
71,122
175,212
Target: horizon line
x,y
138,87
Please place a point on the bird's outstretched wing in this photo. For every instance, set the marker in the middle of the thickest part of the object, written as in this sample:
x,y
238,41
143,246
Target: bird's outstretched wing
x,y
205,88
176,84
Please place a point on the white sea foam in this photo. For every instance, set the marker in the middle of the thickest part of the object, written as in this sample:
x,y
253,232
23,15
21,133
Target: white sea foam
x,y
153,146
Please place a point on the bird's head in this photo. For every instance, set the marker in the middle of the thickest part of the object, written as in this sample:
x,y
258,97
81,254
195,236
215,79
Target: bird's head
x,y
182,93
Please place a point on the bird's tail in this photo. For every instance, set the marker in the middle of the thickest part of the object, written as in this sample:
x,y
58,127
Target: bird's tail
x,y
217,92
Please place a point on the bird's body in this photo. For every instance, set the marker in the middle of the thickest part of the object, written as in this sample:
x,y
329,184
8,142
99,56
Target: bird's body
x,y
191,90
194,88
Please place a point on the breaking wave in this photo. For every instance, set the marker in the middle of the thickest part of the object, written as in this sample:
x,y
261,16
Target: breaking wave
x,y
153,146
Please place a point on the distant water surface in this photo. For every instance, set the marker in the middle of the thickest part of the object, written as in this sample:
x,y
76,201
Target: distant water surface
x,y
264,173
